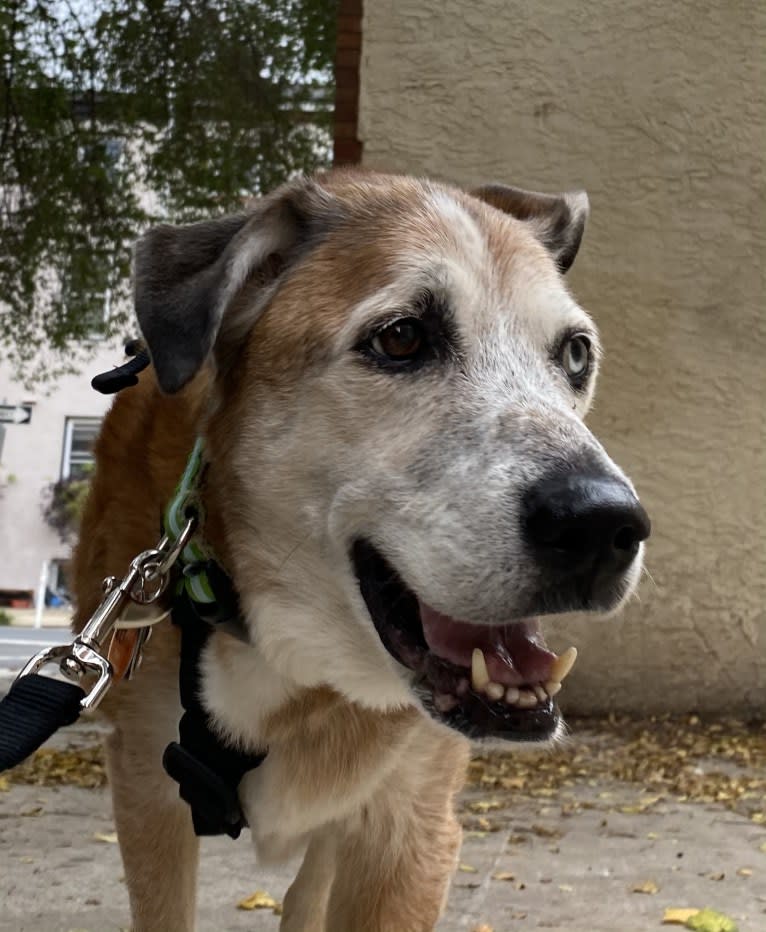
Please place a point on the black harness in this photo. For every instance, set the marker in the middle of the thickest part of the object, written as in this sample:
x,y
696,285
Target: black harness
x,y
207,768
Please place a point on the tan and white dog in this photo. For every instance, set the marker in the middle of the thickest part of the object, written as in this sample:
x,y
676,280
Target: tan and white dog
x,y
390,376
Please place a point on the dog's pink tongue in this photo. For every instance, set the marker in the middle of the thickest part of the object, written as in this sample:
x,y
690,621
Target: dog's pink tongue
x,y
515,653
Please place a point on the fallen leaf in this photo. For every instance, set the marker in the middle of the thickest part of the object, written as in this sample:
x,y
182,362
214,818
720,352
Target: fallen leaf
x,y
259,900
717,877
708,920
678,916
467,868
745,872
486,805
503,875
566,888
648,886
482,928
109,838
5,784
33,811
762,847
27,860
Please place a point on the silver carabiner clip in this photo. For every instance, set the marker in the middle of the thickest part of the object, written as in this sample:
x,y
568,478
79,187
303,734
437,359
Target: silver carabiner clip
x,y
143,584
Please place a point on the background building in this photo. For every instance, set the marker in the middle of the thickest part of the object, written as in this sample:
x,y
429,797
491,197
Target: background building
x,y
55,444
657,110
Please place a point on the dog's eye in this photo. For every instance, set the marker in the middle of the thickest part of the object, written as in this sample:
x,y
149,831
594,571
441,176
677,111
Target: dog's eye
x,y
575,357
399,341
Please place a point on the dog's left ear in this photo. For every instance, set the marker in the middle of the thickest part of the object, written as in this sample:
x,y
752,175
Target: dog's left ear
x,y
557,220
186,277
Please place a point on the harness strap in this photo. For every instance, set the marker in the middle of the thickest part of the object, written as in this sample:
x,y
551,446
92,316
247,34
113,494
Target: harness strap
x,y
207,769
33,709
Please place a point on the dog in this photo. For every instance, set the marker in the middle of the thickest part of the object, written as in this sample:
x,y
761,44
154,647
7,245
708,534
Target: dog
x,y
390,376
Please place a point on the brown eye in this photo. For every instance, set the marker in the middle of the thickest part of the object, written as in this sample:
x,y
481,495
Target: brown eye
x,y
399,341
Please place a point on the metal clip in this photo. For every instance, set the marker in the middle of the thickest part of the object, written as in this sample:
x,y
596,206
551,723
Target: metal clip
x,y
144,583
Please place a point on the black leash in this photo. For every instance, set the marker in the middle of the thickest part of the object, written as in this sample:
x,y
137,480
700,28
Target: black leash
x,y
35,708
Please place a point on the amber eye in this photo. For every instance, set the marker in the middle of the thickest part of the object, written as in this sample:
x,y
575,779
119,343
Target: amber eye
x,y
399,341
575,357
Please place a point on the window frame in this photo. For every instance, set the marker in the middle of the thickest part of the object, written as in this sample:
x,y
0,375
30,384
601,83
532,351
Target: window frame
x,y
66,454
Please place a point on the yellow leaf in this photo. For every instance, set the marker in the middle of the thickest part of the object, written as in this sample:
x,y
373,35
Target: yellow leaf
x,y
503,875
110,838
648,886
485,805
5,784
32,811
259,900
762,847
467,868
482,928
678,916
566,888
707,920
745,872
759,818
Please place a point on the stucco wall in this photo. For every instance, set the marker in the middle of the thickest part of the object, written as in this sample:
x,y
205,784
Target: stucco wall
x,y
657,110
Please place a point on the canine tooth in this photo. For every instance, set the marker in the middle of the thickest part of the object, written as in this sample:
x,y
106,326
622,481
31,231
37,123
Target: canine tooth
x,y
479,674
541,694
552,687
444,702
527,699
563,664
495,691
512,695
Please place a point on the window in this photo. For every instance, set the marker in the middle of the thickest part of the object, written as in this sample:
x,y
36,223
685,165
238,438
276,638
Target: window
x,y
79,435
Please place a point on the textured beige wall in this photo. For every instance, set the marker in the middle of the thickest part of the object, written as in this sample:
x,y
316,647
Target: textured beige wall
x,y
656,109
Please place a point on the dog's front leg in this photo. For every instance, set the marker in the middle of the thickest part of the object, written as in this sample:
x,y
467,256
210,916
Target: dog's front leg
x,y
395,858
305,904
157,841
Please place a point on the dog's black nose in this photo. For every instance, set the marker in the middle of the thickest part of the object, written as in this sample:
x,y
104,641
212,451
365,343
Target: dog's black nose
x,y
579,523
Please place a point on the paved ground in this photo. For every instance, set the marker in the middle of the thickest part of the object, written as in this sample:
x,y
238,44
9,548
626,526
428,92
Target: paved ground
x,y
18,644
557,843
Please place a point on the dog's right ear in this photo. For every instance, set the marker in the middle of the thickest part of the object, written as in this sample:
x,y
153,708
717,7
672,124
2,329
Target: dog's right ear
x,y
186,276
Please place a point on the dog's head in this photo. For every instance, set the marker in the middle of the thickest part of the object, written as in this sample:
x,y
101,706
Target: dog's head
x,y
397,443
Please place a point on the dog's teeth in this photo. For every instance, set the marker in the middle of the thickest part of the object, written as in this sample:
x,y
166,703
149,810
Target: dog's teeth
x,y
552,687
541,694
527,699
479,674
444,702
495,691
563,664
512,695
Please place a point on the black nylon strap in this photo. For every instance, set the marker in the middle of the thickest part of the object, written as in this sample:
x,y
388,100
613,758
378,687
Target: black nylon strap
x,y
34,708
207,770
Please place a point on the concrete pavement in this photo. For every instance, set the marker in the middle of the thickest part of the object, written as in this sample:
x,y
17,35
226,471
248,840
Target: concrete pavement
x,y
18,644
561,854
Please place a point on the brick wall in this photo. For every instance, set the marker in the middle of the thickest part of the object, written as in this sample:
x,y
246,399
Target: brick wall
x,y
347,149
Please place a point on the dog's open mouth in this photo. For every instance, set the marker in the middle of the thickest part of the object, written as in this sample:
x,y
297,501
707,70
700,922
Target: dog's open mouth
x,y
486,681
